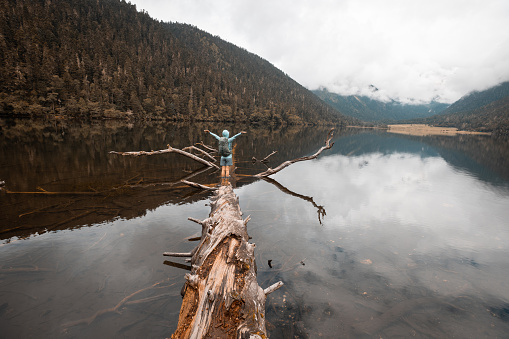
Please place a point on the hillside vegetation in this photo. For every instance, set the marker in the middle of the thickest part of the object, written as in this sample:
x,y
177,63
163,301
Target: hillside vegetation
x,y
104,59
484,111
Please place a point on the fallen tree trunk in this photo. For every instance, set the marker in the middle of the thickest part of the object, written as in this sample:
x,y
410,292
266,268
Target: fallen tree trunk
x,y
222,298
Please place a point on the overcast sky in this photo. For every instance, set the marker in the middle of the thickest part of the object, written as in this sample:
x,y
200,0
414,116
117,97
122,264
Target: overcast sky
x,y
409,50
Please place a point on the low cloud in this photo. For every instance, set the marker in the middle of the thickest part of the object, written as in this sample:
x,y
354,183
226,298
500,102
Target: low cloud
x,y
410,50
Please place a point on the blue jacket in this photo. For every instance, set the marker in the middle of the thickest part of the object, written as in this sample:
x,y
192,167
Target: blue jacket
x,y
226,134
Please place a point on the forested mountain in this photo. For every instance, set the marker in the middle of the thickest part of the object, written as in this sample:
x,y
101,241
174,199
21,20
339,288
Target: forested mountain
x,y
478,99
104,59
486,111
371,110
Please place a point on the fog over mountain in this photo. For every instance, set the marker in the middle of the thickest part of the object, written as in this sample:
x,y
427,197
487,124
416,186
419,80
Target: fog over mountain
x,y
412,51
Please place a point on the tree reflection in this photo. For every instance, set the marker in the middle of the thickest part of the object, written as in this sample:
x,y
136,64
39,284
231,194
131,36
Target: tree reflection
x,y
69,180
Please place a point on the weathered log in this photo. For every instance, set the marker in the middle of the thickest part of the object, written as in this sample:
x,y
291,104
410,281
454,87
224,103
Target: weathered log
x,y
222,298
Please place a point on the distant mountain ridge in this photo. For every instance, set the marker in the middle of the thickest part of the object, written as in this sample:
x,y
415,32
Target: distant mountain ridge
x,y
375,111
485,111
104,59
478,99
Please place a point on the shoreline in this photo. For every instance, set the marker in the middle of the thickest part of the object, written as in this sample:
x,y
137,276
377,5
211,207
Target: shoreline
x,y
425,130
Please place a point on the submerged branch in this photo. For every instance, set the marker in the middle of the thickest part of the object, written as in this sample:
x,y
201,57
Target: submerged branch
x,y
266,159
115,308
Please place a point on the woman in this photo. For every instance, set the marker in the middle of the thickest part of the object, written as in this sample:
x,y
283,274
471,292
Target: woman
x,y
226,155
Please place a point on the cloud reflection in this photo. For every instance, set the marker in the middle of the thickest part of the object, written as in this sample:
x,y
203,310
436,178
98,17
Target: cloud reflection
x,y
401,210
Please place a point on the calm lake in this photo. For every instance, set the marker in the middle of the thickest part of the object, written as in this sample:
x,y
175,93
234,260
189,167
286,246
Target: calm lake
x,y
382,236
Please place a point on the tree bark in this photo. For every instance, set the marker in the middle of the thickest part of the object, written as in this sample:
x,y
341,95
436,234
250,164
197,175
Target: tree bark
x,y
222,298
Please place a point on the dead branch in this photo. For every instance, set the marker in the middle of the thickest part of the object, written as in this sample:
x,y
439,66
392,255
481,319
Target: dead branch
x,y
285,164
201,151
107,191
196,220
268,156
200,186
211,149
168,150
24,269
273,287
264,160
54,193
168,183
180,255
320,209
115,308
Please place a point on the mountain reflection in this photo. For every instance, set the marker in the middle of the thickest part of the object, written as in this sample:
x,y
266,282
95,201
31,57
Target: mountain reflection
x,y
59,174
408,239
485,157
414,242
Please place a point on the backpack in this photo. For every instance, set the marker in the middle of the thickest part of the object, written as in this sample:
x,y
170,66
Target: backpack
x,y
224,149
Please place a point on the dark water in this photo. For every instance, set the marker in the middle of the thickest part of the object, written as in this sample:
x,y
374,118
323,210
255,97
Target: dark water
x,y
382,236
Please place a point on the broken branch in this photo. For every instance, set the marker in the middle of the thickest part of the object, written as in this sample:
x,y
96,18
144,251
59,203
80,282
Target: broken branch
x,y
273,287
207,147
200,186
180,255
201,151
168,150
285,164
266,159
320,209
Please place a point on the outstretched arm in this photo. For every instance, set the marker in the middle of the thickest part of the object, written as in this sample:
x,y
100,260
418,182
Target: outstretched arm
x,y
214,135
236,135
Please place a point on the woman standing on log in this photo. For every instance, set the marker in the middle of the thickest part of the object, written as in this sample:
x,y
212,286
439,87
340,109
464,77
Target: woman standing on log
x,y
225,146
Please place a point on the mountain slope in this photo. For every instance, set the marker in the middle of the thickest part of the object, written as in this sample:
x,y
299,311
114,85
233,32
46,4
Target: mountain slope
x,y
367,109
475,100
486,111
103,59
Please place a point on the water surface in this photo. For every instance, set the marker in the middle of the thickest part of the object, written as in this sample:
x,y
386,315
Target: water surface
x,y
382,236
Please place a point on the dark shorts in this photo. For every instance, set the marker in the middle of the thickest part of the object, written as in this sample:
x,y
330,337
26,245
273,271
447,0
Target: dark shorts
x,y
226,161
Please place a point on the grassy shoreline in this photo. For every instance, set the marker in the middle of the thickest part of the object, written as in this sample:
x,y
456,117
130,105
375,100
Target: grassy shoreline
x,y
424,130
